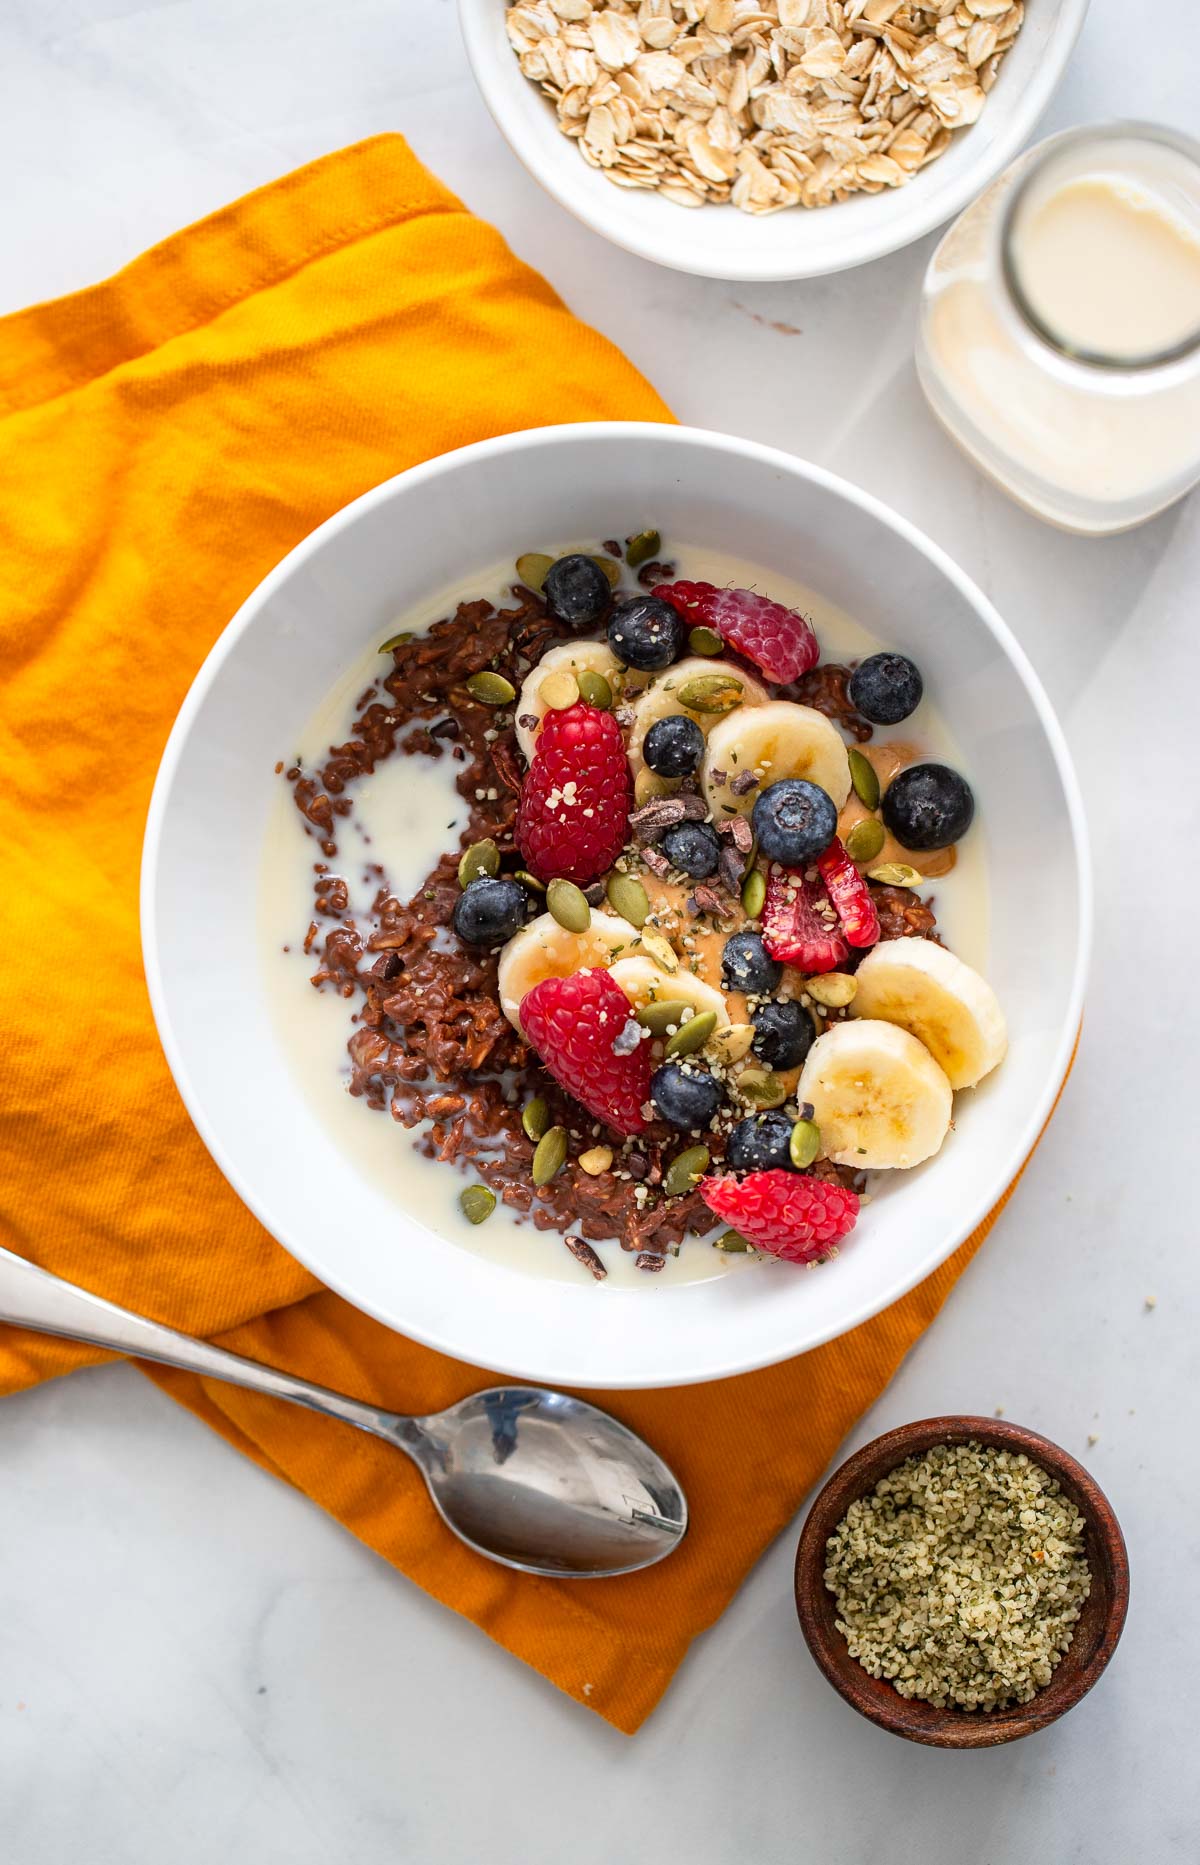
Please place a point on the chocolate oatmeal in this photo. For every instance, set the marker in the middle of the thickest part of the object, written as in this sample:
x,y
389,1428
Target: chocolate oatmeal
x,y
701,1079
429,1036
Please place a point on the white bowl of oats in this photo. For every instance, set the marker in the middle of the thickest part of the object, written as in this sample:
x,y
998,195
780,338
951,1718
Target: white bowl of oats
x,y
767,139
264,1061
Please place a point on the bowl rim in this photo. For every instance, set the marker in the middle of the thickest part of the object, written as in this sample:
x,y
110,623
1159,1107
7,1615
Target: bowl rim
x,y
914,1720
476,26
885,1292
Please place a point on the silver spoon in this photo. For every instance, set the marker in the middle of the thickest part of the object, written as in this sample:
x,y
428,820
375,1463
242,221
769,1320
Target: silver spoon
x,y
533,1479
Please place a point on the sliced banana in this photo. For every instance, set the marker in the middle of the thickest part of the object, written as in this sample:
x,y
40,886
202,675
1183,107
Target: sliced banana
x,y
573,657
878,1096
944,1003
544,949
778,740
661,699
643,982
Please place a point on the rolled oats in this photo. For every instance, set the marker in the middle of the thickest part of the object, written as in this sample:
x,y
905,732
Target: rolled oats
x,y
765,103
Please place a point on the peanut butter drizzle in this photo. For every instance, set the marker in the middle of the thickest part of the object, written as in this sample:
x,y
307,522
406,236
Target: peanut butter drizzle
x,y
886,760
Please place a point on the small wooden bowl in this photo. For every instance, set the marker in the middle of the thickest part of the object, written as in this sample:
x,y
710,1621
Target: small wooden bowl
x,y
1096,1632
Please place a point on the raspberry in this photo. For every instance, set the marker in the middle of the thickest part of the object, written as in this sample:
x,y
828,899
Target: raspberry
x,y
572,1023
780,641
799,921
850,895
793,1217
573,818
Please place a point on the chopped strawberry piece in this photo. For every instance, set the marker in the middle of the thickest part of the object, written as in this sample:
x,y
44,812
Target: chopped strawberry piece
x,y
573,819
793,1216
778,640
580,1028
850,895
800,925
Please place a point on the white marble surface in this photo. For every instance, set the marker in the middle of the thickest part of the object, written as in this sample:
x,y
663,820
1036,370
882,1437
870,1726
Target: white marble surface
x,y
194,1664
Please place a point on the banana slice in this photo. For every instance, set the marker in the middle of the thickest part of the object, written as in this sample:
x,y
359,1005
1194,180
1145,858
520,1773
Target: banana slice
x,y
544,949
574,657
643,982
944,1003
661,699
877,1094
777,740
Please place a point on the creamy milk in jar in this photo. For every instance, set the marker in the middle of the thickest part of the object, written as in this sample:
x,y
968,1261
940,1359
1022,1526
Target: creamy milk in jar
x,y
1060,327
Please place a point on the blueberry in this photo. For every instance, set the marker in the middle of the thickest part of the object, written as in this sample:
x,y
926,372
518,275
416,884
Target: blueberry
x,y
760,1144
783,1033
693,848
577,591
928,806
886,688
794,820
646,632
685,1095
489,911
673,746
747,966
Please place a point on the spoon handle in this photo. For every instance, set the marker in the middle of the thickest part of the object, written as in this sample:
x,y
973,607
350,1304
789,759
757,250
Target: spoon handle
x,y
33,1298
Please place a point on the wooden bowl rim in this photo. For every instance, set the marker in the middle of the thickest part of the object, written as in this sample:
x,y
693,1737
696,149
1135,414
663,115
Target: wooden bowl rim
x,y
875,1698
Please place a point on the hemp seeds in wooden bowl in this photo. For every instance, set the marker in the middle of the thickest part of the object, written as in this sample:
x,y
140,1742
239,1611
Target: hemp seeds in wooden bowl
x,y
961,1582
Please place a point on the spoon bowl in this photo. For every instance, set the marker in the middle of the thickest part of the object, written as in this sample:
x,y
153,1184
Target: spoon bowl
x,y
547,1483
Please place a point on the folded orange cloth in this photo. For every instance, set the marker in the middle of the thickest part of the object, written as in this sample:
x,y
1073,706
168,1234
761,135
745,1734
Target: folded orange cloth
x,y
164,439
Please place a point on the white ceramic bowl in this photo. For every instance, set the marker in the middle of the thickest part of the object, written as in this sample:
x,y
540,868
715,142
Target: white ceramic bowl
x,y
338,592
722,242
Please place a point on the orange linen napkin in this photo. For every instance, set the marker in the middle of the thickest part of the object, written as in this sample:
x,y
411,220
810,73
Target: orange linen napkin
x,y
164,439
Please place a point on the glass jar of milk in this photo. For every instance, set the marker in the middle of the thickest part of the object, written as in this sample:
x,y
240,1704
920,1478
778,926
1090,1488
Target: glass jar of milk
x,y
1060,327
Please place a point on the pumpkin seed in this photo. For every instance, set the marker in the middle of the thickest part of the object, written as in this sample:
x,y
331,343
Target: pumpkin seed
x,y
712,692
804,1144
754,893
535,1117
661,1018
864,777
693,1034
611,569
594,689
532,568
491,689
568,906
628,897
559,690
734,1242
656,947
648,785
896,874
480,858
834,989
477,1203
596,1160
549,1156
397,641
685,1171
529,880
865,840
705,641
641,547
733,1042
760,1089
